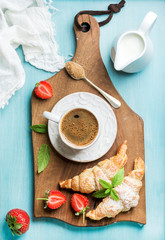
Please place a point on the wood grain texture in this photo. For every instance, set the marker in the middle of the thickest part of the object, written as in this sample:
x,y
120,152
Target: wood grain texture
x,y
130,127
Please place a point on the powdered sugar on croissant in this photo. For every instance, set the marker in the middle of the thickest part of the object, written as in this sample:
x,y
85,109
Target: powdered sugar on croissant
x,y
128,193
88,180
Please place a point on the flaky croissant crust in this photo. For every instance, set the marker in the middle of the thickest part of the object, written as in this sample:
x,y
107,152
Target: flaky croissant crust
x,y
128,193
88,180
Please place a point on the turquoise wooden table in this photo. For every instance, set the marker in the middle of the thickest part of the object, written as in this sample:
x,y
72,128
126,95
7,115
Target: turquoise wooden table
x,y
145,94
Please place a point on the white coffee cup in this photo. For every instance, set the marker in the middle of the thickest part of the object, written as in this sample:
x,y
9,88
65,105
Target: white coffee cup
x,y
58,119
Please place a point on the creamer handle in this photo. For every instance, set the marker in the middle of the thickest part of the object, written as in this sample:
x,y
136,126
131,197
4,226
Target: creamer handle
x,y
147,22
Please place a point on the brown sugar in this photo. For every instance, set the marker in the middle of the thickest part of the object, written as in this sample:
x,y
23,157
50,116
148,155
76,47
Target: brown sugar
x,y
75,70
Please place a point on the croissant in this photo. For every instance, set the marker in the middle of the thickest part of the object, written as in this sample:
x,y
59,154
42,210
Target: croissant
x,y
88,180
128,193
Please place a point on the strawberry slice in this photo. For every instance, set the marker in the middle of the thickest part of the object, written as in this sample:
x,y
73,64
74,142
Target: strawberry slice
x,y
80,204
53,199
43,90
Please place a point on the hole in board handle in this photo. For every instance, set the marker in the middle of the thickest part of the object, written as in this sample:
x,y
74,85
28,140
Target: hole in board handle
x,y
86,27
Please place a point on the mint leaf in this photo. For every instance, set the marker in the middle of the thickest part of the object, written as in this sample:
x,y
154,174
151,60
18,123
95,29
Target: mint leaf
x,y
105,184
100,194
40,128
118,178
114,194
107,191
108,188
43,157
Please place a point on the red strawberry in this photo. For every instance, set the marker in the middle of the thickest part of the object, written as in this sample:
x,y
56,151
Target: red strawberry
x,y
43,90
80,204
18,221
54,199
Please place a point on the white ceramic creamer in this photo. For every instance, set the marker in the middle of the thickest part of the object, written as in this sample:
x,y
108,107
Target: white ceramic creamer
x,y
133,50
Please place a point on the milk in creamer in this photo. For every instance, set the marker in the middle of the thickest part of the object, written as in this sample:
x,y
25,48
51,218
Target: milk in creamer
x,y
130,47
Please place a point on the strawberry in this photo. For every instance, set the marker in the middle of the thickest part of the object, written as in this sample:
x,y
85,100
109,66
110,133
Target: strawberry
x,y
43,90
80,204
18,221
53,199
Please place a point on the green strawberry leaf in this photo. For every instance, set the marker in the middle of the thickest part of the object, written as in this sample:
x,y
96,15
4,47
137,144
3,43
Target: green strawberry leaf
x,y
100,194
114,194
13,225
105,184
17,226
43,157
17,232
47,193
39,128
118,178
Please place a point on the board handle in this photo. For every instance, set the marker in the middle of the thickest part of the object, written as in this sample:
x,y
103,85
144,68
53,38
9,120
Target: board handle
x,y
88,39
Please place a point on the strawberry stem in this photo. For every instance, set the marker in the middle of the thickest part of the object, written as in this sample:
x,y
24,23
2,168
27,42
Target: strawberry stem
x,y
42,199
83,213
84,216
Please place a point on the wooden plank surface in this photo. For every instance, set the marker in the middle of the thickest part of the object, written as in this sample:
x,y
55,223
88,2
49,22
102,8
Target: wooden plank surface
x,y
130,127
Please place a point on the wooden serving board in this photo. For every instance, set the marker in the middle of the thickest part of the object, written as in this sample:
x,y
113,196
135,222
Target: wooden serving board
x,y
130,127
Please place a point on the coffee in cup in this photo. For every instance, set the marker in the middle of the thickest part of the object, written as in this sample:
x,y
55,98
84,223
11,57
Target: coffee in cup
x,y
79,127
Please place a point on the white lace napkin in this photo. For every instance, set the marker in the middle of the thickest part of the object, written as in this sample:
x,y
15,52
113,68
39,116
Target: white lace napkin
x,y
27,23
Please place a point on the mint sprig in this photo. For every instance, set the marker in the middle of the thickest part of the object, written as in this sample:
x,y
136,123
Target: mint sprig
x,y
39,128
114,194
118,178
108,189
105,184
101,193
43,157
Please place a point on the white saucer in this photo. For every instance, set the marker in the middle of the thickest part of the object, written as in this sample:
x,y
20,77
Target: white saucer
x,y
108,126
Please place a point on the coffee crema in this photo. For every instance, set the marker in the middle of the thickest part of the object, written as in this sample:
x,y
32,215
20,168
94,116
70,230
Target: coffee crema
x,y
79,127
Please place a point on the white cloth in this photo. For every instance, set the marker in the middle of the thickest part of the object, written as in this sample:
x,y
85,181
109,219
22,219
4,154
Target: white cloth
x,y
27,23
